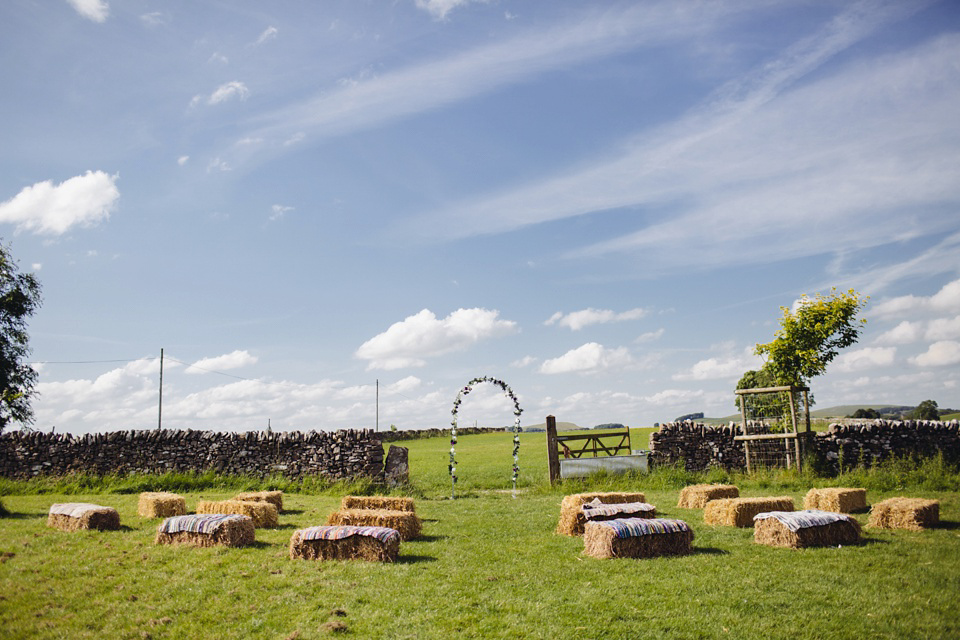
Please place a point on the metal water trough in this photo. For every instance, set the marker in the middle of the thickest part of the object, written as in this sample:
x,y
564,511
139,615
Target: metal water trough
x,y
583,467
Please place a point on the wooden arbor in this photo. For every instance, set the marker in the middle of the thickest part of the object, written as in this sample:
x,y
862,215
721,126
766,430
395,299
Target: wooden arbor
x,y
774,408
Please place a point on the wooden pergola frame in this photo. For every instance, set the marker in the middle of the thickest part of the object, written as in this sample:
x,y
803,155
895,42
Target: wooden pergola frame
x,y
794,434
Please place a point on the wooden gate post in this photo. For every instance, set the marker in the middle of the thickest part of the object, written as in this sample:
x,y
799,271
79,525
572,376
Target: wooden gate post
x,y
553,458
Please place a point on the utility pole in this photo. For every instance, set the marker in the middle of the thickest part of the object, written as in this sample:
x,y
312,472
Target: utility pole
x,y
377,428
160,405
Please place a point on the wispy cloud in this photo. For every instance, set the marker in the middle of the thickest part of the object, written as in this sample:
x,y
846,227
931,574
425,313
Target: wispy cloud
x,y
227,91
577,320
95,10
48,209
233,360
440,8
268,34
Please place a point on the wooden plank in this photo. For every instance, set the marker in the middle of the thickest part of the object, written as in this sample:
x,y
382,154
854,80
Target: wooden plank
x,y
553,456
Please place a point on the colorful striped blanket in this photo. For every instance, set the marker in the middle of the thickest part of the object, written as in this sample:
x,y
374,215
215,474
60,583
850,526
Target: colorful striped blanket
x,y
75,509
630,527
796,520
592,510
200,523
339,532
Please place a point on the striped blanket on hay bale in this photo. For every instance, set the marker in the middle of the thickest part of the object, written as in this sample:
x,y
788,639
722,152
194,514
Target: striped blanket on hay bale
x,y
388,503
696,496
273,497
808,528
380,544
915,514
207,530
160,505
572,519
406,523
739,512
836,500
74,516
264,514
637,538
596,511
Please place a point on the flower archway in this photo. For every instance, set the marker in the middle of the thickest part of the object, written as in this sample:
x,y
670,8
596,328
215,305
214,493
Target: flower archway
x,y
453,433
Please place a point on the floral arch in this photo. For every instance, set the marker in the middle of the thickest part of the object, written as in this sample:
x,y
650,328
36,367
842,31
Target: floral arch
x,y
453,433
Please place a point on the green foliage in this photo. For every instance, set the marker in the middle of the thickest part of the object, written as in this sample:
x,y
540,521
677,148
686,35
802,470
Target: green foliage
x,y
812,336
19,299
867,414
926,410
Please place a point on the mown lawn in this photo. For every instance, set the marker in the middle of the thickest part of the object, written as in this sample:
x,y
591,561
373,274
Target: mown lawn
x,y
488,566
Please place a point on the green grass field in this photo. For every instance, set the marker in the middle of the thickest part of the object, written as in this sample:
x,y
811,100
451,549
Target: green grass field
x,y
488,565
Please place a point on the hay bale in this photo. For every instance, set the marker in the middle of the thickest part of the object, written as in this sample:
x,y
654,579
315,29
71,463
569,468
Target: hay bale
x,y
264,514
598,512
739,512
74,516
405,523
273,497
389,503
801,529
836,500
160,505
571,513
207,530
915,514
380,544
637,538
696,496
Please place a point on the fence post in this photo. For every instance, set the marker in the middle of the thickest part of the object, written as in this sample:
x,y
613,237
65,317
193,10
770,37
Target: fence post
x,y
553,458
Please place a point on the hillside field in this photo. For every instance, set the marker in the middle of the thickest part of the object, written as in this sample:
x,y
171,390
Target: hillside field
x,y
488,565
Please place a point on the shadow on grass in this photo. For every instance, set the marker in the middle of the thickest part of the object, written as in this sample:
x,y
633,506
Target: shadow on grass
x,y
23,516
947,525
414,559
292,512
430,538
709,551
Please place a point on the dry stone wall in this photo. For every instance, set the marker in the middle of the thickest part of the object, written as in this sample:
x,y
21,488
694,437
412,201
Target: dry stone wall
x,y
336,455
700,446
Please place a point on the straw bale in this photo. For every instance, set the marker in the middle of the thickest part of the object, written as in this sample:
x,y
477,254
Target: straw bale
x,y
571,515
232,533
95,517
351,548
739,512
264,514
273,497
407,524
390,503
836,500
915,514
696,496
161,505
601,541
773,533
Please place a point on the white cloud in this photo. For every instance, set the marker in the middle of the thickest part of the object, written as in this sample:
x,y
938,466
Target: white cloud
x,y
228,91
440,8
943,329
218,164
95,10
182,160
218,58
153,19
523,362
945,300
36,266
675,397
588,358
277,212
939,354
577,320
867,358
234,360
730,365
409,342
48,209
269,34
904,333
650,336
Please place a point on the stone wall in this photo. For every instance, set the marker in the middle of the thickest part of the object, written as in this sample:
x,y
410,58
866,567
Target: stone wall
x,y
336,455
700,446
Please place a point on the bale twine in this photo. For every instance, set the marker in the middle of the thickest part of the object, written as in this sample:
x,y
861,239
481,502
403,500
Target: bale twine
x,y
160,505
264,514
915,514
697,496
739,512
74,516
637,538
389,503
572,521
207,531
406,523
273,497
836,500
378,544
837,531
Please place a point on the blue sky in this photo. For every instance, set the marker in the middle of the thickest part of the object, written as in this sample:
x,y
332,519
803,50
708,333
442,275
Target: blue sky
x,y
603,204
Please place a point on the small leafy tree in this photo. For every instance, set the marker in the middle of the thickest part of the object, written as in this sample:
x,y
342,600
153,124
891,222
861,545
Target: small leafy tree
x,y
926,410
19,299
866,414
